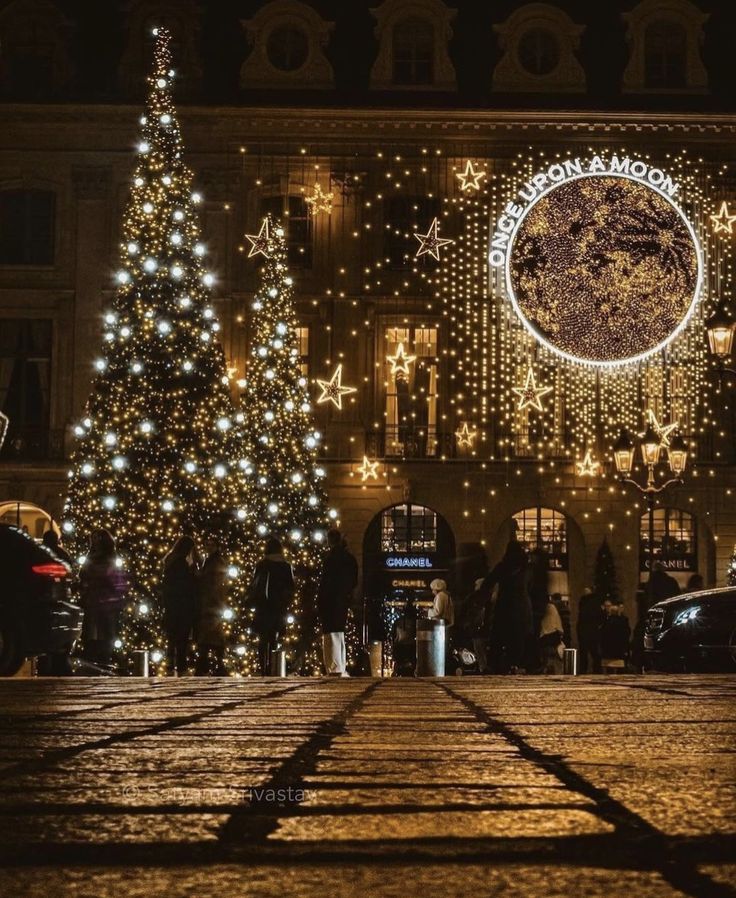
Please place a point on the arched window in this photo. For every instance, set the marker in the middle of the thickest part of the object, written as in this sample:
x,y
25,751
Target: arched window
x,y
27,516
287,48
27,227
665,54
408,528
544,528
413,52
675,540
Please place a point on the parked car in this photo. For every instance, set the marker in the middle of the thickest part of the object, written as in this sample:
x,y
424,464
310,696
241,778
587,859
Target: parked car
x,y
694,631
37,614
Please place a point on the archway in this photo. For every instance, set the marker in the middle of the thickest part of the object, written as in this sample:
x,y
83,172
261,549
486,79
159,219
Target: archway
x,y
26,515
405,547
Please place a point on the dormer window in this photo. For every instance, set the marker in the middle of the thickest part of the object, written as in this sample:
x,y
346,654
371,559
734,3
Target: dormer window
x,y
665,54
412,52
34,57
665,37
289,40
413,48
538,43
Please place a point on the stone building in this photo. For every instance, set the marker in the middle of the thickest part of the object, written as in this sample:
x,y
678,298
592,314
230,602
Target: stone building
x,y
381,108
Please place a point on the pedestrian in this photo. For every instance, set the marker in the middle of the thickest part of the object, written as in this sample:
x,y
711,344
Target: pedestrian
x,y
339,579
404,640
695,583
590,620
179,594
103,587
615,638
51,540
512,616
478,616
538,589
551,640
212,601
442,608
663,585
270,593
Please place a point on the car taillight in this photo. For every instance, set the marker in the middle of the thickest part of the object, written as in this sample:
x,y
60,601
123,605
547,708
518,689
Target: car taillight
x,y
52,569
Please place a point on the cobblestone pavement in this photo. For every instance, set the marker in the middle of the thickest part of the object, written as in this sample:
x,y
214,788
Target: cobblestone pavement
x,y
617,786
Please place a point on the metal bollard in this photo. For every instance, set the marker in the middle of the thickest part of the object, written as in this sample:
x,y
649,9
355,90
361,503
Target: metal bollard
x,y
570,662
140,663
278,663
431,641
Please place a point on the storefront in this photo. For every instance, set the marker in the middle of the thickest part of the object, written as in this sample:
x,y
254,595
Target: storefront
x,y
675,544
546,528
405,547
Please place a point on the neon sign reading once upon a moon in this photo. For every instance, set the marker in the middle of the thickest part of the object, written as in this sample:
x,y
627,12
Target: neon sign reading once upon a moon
x,y
600,262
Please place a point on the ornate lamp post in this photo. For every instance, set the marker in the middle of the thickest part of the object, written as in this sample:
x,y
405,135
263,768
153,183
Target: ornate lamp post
x,y
720,330
651,448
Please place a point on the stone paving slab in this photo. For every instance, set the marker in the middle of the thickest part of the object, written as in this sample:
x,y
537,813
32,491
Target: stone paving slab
x,y
610,786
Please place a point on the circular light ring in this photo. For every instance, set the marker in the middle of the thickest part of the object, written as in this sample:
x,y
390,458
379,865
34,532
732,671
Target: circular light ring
x,y
688,302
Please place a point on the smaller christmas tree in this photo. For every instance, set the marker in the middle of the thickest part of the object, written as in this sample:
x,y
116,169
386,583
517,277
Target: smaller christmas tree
x,y
605,584
731,574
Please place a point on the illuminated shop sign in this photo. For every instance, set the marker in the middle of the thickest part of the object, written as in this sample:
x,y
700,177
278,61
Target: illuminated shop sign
x,y
403,583
600,263
408,561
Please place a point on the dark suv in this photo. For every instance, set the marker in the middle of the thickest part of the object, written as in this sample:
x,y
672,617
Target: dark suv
x,y
37,615
695,631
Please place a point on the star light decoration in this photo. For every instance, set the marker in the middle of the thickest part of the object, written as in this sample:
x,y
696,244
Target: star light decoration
x,y
333,390
470,178
4,424
260,242
663,431
319,201
723,221
400,361
431,242
368,470
589,466
530,394
465,436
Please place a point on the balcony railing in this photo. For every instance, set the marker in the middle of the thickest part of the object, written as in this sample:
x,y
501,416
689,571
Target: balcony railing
x,y
32,444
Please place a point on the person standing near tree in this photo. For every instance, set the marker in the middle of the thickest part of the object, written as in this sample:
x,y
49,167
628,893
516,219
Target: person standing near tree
x,y
590,620
270,592
179,594
212,596
102,590
339,579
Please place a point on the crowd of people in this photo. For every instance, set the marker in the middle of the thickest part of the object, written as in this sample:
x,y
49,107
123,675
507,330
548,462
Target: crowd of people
x,y
509,623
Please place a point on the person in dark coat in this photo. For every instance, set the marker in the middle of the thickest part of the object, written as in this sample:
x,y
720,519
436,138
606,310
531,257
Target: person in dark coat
x,y
270,593
179,594
664,586
404,639
212,601
51,540
615,637
339,579
103,586
538,588
590,620
512,618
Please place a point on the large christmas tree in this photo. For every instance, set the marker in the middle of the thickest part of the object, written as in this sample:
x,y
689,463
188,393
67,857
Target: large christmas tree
x,y
287,498
160,446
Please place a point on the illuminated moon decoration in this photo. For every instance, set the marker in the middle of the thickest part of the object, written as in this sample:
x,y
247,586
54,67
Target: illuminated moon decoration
x,y
603,269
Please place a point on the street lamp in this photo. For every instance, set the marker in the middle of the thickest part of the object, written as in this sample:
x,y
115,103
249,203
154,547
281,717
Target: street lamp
x,y
651,448
720,331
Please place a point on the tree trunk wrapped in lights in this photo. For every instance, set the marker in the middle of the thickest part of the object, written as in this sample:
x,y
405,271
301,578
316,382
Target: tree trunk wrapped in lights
x,y
160,445
287,499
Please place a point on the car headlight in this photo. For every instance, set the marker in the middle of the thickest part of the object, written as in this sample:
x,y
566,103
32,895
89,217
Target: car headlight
x,y
684,617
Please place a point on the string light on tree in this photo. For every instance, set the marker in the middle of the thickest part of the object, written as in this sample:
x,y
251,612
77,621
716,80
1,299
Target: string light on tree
x,y
150,413
431,243
333,389
530,395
